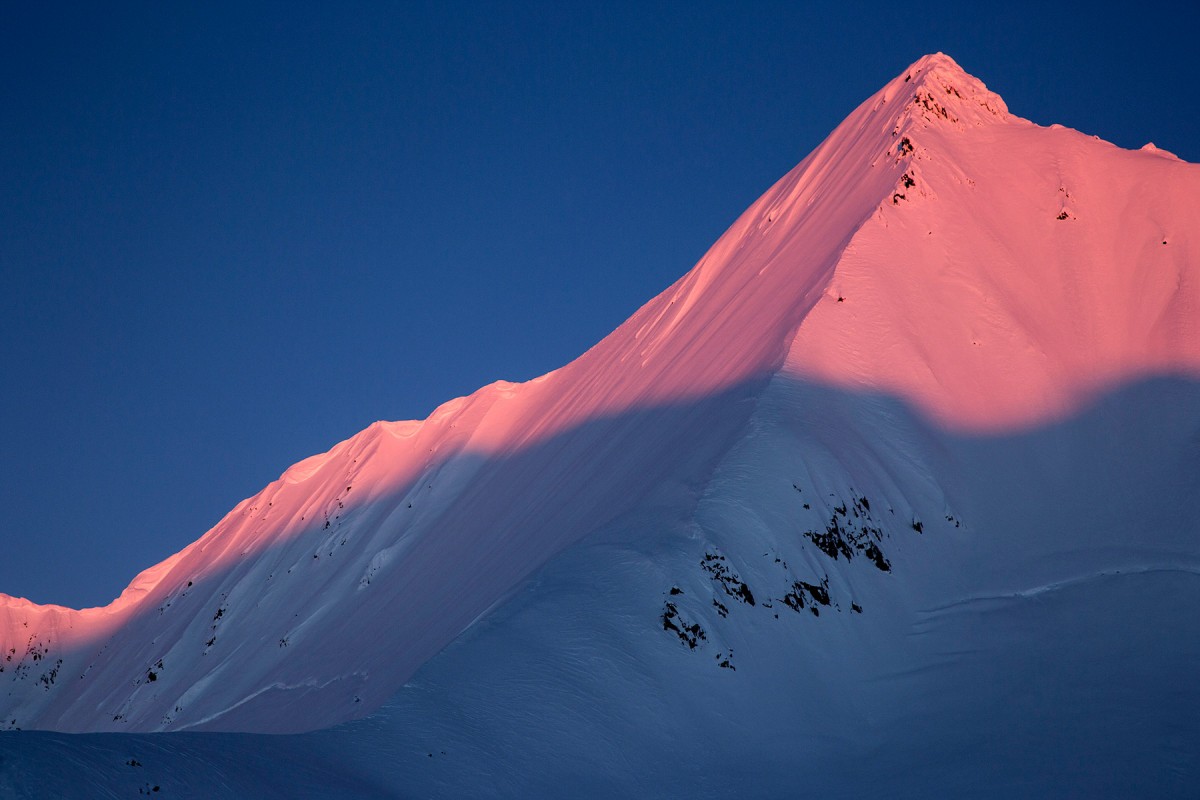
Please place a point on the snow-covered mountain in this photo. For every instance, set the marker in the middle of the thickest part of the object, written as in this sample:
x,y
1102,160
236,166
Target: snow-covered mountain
x,y
893,492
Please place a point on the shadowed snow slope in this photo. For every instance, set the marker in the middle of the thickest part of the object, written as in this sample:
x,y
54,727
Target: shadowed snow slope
x,y
893,492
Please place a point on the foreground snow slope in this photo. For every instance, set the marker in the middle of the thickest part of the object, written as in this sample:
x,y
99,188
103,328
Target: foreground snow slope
x,y
1046,648
891,492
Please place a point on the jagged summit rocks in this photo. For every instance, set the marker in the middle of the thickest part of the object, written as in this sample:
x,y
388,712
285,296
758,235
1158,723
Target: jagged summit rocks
x,y
890,471
942,92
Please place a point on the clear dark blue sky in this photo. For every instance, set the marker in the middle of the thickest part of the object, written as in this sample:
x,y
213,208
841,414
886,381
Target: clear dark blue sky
x,y
232,236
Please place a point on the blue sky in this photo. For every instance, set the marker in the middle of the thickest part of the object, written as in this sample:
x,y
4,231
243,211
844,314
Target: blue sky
x,y
233,236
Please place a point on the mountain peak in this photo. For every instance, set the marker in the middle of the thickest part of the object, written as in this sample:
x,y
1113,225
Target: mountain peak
x,y
939,61
939,91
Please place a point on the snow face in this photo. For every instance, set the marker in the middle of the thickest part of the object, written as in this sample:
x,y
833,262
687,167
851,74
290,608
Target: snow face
x,y
905,455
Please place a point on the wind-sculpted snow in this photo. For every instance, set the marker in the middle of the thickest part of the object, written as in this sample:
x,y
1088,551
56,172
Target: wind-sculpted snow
x,y
856,506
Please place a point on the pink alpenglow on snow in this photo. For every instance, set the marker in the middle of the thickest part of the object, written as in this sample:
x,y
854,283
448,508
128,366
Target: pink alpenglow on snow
x,y
989,314
992,274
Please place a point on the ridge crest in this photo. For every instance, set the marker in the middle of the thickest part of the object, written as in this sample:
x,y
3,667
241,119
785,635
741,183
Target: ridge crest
x,y
936,90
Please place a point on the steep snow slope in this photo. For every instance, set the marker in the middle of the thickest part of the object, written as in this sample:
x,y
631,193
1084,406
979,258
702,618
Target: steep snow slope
x,y
296,592
899,475
1048,650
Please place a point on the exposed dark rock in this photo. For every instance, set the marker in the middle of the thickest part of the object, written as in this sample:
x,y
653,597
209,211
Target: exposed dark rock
x,y
690,634
714,564
876,557
850,536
